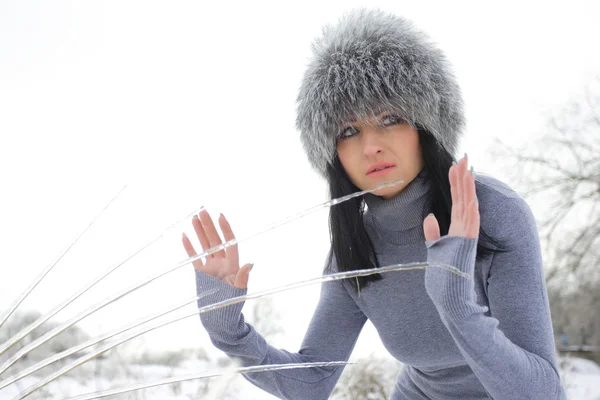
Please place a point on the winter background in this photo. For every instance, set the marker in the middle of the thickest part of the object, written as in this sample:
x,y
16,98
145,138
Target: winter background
x,y
192,104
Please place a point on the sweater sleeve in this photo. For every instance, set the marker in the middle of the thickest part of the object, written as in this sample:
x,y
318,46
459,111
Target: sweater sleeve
x,y
331,336
512,349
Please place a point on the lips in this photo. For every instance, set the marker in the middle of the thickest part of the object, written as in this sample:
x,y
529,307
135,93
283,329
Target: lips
x,y
379,168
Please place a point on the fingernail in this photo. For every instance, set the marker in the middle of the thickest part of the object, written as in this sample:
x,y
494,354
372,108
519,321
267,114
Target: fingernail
x,y
250,267
472,171
466,155
430,215
453,162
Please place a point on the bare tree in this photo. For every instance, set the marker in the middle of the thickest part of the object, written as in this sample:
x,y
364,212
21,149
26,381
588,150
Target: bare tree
x,y
559,174
561,171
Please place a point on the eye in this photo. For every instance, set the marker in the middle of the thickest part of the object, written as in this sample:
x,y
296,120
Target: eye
x,y
389,120
347,133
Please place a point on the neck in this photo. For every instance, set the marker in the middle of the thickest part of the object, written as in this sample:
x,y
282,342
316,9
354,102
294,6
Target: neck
x,y
400,218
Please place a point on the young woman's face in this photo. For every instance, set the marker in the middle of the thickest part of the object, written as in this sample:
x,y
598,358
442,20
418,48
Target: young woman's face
x,y
383,142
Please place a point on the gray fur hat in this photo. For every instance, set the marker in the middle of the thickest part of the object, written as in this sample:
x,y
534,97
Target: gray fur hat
x,y
372,62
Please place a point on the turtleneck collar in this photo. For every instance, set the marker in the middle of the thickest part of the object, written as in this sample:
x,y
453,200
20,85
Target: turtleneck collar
x,y
403,212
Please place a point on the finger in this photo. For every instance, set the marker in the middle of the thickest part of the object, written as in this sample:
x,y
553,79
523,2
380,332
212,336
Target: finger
x,y
211,232
473,220
431,228
241,279
460,190
197,224
232,251
453,176
189,249
469,186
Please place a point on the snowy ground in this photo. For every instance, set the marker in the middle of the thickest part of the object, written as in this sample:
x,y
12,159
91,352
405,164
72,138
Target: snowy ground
x,y
87,380
581,379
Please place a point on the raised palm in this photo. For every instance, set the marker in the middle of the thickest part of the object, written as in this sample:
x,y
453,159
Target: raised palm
x,y
465,218
224,264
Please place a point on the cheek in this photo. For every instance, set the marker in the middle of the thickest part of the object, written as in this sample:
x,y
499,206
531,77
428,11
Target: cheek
x,y
347,159
345,155
411,148
415,150
346,164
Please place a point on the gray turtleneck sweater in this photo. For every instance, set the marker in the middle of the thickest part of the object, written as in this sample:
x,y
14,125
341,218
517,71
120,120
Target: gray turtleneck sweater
x,y
485,337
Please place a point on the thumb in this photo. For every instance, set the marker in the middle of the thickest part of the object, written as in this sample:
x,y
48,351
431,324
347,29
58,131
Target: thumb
x,y
241,278
431,228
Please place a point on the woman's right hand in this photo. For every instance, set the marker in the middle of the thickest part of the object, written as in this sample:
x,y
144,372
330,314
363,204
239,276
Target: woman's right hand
x,y
224,264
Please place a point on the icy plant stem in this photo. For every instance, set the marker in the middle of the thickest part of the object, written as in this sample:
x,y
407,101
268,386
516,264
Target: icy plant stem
x,y
25,331
93,341
234,300
175,379
333,277
36,282
301,214
49,335
96,353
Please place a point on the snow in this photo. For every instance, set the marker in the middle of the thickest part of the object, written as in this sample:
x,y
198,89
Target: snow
x,y
581,379
106,374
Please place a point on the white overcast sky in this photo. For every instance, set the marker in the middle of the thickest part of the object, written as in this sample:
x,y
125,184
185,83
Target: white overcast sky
x,y
192,103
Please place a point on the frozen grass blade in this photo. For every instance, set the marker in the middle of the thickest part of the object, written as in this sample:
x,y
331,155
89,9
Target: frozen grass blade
x,y
301,214
82,360
146,281
236,300
25,331
334,277
49,268
93,341
49,335
175,379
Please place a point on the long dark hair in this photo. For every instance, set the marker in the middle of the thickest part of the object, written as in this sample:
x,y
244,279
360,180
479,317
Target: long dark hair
x,y
350,242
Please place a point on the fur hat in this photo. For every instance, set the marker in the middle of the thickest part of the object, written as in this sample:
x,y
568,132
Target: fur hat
x,y
372,62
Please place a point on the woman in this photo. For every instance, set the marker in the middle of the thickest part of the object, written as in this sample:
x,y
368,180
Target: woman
x,y
378,102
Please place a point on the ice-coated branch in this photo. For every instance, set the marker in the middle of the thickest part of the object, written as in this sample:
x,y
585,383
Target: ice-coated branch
x,y
334,277
93,341
175,379
44,338
45,272
291,218
25,331
236,300
52,333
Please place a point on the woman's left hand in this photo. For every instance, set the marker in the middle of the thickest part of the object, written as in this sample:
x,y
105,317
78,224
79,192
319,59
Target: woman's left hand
x,y
465,208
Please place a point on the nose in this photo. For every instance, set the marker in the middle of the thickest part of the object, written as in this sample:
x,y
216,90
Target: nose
x,y
371,141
